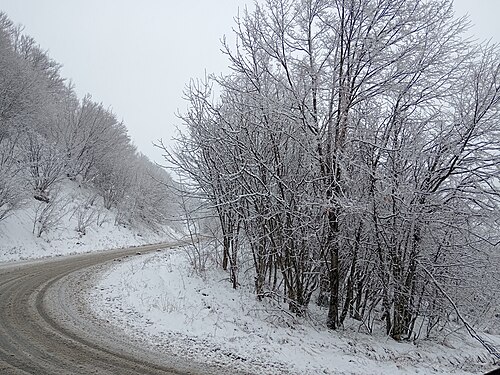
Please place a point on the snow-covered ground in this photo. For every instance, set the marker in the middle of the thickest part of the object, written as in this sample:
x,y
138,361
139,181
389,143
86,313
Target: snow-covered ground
x,y
158,298
19,240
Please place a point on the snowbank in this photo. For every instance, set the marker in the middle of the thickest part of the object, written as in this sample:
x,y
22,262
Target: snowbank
x,y
158,298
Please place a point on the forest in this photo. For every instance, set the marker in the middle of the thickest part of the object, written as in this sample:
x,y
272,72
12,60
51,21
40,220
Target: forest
x,y
352,160
49,136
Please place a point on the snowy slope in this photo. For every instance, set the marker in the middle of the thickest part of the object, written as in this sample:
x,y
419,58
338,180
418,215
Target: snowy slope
x,y
158,298
18,239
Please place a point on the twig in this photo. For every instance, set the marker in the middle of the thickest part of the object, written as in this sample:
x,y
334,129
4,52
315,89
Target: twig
x,y
488,346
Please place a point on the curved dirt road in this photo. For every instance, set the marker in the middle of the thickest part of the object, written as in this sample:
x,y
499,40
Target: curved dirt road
x,y
45,329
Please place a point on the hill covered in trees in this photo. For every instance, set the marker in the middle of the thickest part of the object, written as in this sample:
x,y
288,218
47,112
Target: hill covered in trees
x,y
65,159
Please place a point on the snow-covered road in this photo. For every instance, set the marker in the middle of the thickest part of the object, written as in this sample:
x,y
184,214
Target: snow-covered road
x,y
115,312
45,329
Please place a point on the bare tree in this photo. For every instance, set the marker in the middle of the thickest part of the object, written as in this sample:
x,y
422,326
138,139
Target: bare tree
x,y
355,148
45,165
49,214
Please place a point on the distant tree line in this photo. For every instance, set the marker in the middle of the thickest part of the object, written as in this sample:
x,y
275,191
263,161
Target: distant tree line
x,y
353,156
48,136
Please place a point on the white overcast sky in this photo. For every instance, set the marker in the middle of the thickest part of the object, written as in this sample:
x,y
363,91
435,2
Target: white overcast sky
x,y
137,56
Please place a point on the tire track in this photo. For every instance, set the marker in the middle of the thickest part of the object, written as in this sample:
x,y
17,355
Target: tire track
x,y
45,329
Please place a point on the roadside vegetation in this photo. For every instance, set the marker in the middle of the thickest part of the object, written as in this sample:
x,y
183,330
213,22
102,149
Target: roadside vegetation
x,y
351,159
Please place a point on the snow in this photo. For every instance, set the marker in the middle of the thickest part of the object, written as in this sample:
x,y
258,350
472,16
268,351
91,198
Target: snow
x,y
160,299
18,242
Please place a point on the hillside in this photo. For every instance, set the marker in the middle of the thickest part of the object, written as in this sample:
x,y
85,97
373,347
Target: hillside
x,y
71,180
19,239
